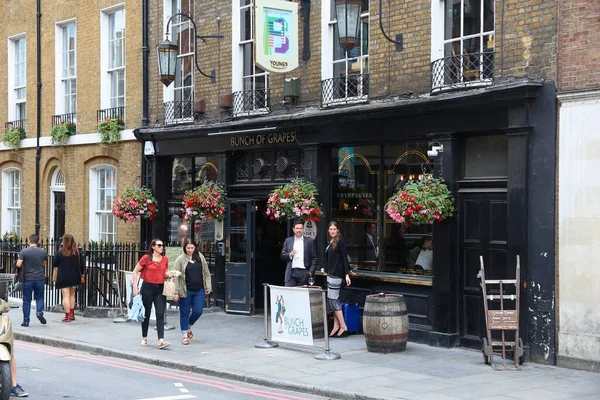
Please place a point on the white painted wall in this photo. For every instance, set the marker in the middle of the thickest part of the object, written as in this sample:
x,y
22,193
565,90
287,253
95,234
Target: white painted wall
x,y
579,226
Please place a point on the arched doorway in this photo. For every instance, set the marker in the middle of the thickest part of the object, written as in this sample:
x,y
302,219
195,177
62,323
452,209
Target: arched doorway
x,y
57,204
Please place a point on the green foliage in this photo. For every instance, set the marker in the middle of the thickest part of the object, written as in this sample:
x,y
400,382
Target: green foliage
x,y
11,237
110,130
60,133
12,137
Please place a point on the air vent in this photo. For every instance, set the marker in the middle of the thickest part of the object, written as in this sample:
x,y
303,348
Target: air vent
x,y
259,166
283,165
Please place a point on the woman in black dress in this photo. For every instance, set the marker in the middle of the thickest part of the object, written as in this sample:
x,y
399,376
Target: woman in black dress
x,y
338,270
71,270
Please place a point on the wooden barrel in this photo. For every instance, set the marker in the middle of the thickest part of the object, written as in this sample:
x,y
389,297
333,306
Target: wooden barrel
x,y
316,312
385,323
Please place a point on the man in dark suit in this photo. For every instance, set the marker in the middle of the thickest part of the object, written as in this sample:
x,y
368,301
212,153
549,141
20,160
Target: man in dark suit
x,y
301,255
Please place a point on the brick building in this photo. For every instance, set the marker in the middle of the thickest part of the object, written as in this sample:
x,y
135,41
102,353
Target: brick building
x,y
577,242
474,78
90,69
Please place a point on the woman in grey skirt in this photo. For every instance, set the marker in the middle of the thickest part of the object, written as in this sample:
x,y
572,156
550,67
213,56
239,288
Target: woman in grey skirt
x,y
338,269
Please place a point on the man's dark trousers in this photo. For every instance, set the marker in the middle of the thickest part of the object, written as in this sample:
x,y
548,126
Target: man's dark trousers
x,y
33,288
299,277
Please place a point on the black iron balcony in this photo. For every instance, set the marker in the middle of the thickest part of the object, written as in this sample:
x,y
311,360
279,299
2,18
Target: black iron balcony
x,y
347,89
251,102
462,71
115,112
17,124
178,111
64,118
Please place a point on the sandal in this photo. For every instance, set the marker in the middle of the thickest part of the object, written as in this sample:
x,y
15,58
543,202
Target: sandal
x,y
144,343
162,343
185,341
190,334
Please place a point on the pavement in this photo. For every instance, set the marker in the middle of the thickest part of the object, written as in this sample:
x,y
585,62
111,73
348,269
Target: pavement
x,y
223,346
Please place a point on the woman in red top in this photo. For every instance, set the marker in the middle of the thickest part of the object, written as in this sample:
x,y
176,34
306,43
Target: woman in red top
x,y
153,270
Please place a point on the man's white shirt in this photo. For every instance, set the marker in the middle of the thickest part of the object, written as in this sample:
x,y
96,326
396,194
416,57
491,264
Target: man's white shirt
x,y
298,260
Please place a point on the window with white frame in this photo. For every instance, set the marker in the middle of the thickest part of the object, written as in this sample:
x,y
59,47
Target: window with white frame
x,y
250,83
11,200
66,68
17,72
345,74
179,97
463,41
113,58
103,189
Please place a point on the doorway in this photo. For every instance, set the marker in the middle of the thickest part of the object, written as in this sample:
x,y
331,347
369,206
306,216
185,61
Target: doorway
x,y
483,231
253,256
57,205
269,238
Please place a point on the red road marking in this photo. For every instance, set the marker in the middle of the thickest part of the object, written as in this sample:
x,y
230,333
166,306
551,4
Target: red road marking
x,y
164,374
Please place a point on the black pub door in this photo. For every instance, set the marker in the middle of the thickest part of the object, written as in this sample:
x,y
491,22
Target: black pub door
x,y
483,231
59,215
239,257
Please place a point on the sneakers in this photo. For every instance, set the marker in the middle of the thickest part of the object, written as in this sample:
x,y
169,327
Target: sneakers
x,y
26,324
41,318
18,391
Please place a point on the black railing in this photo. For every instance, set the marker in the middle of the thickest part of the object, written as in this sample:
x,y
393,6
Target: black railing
x,y
345,89
104,263
64,118
19,123
462,71
178,111
115,112
248,102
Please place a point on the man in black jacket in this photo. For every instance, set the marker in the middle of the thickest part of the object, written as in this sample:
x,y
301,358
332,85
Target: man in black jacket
x,y
301,255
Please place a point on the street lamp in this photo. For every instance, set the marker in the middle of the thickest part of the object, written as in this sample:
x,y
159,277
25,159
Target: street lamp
x,y
347,13
167,53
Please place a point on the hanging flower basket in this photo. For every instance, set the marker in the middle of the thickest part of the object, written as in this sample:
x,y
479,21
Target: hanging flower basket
x,y
296,200
421,203
207,201
134,204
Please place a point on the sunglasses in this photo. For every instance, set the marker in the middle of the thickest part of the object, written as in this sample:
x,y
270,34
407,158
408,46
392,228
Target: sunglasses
x,y
159,245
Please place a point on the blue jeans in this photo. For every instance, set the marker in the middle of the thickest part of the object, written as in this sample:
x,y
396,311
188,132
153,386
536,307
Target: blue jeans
x,y
30,288
190,308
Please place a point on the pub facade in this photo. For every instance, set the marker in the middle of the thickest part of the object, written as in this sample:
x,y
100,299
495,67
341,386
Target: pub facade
x,y
359,123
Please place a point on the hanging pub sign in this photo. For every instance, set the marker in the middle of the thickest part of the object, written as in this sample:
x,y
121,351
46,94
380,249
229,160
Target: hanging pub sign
x,y
276,35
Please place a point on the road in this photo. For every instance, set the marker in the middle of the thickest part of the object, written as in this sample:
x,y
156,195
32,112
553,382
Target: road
x,y
50,373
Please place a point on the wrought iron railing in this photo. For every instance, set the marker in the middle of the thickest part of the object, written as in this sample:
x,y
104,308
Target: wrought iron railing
x,y
462,71
104,263
64,118
19,123
345,89
178,111
115,112
249,102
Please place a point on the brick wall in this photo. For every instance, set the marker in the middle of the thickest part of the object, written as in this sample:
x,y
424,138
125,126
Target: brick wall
x,y
579,54
19,16
525,45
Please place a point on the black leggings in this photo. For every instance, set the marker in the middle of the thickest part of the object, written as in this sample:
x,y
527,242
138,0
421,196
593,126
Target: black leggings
x,y
153,293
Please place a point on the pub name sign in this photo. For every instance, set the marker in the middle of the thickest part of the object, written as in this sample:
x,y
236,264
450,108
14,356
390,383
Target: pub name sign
x,y
263,139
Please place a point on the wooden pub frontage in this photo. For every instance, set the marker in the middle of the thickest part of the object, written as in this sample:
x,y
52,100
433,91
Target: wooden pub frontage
x,y
497,154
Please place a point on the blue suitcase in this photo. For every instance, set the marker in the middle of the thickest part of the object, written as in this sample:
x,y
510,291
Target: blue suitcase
x,y
351,316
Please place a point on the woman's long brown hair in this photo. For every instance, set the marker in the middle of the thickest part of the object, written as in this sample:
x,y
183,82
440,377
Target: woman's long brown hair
x,y
69,246
334,241
196,254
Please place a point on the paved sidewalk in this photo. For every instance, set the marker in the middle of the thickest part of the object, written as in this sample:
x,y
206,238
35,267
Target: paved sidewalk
x,y
223,346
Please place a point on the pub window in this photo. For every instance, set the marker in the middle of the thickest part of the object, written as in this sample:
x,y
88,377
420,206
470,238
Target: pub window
x,y
406,250
182,175
486,157
355,188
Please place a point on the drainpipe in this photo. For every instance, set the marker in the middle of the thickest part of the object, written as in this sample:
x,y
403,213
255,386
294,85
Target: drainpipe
x,y
145,85
145,227
38,149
